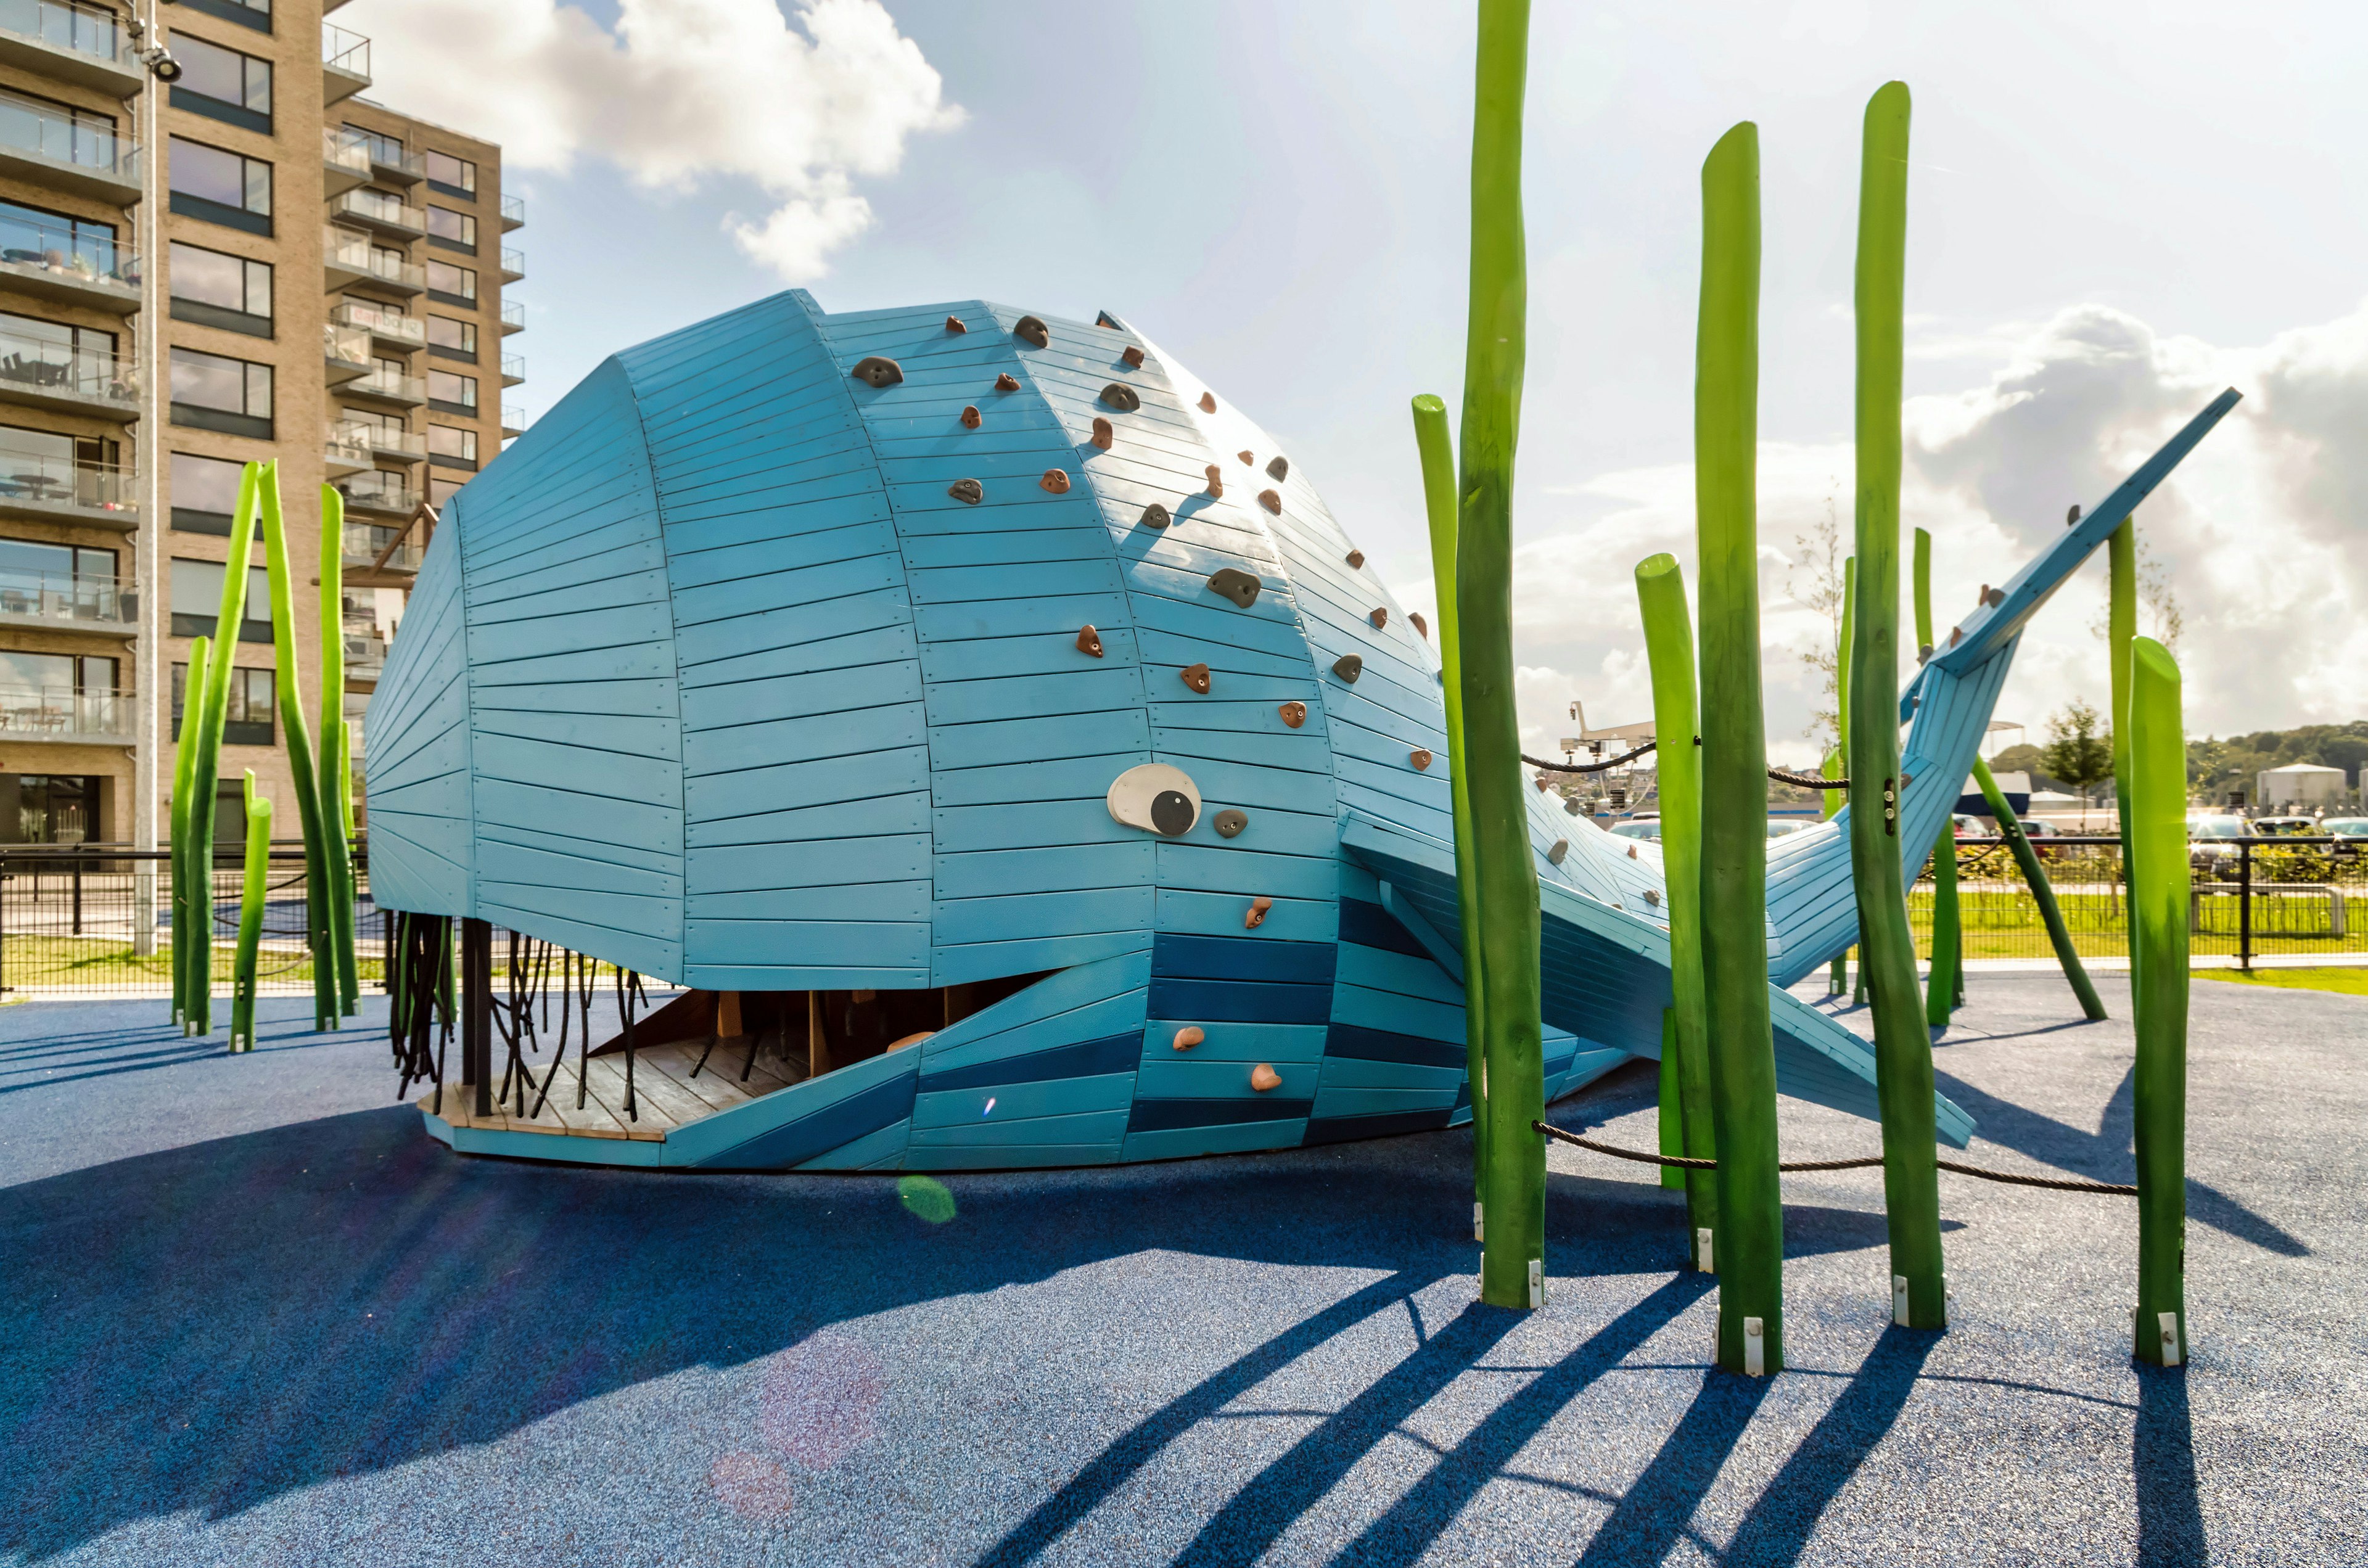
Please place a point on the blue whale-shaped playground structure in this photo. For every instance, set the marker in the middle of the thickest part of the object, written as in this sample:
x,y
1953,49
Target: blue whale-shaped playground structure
x,y
722,675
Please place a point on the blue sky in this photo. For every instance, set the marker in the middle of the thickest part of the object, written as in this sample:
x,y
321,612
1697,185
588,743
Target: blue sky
x,y
2114,210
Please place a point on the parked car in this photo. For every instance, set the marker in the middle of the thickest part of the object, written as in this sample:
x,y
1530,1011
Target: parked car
x,y
2285,826
1784,827
2208,849
2345,827
1648,828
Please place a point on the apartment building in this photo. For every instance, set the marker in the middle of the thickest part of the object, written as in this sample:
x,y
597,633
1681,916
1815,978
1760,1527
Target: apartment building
x,y
221,256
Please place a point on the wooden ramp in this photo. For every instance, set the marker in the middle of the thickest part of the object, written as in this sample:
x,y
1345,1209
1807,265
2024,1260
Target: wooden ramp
x,y
665,1094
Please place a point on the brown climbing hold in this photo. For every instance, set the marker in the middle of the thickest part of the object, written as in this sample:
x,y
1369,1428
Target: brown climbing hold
x,y
1028,329
1421,760
969,492
1278,469
1543,783
1236,585
1188,1036
1379,615
1055,480
1089,641
1133,356
1121,396
1349,667
1217,479
1632,852
1229,823
1420,625
1208,403
955,324
970,417
1994,596
1561,848
1653,898
1357,559
1263,1077
1247,459
1003,383
1255,916
875,371
1293,713
1103,434
1271,501
1155,517
1196,677
1956,635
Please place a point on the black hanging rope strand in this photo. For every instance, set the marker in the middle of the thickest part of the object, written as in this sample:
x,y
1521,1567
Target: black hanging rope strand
x,y
2052,1184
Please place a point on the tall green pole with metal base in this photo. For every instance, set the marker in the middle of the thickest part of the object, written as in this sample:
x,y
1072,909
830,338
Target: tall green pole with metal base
x,y
336,873
1735,764
317,884
1943,986
250,918
2043,893
1669,647
1438,453
1903,1050
1505,879
184,862
2157,831
205,764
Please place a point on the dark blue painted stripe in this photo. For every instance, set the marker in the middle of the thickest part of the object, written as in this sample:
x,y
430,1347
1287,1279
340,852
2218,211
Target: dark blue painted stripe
x,y
1240,1002
1163,1116
1177,956
1111,1053
820,1131
1381,1045
1347,1129
1370,925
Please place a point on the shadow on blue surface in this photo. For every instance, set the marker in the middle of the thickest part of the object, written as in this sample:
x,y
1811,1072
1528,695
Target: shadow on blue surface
x,y
40,1062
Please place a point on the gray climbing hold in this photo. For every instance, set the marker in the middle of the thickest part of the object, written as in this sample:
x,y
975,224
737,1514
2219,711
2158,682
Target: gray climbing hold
x,y
1155,517
1236,585
1570,804
1349,667
1229,823
2073,516
1561,848
969,492
875,371
1028,329
1653,898
1121,396
1278,469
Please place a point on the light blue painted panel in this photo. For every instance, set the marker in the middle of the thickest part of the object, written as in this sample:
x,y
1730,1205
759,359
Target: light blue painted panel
x,y
1186,1142
1234,1043
1224,914
969,1108
1184,1078
992,960
1087,1127
887,1146
1009,1156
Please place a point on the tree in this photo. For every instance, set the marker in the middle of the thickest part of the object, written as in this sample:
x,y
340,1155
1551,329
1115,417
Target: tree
x,y
1816,581
2079,749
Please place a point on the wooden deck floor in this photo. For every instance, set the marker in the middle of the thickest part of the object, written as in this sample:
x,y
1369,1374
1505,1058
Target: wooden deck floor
x,y
665,1094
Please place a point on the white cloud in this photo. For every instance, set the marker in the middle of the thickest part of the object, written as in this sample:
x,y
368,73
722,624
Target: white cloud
x,y
682,91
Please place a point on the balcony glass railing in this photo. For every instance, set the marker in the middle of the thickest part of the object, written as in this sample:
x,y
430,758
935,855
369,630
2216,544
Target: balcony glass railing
x,y
58,713
513,263
67,252
514,316
379,207
37,364
513,416
61,482
348,444
354,253
343,148
28,126
387,383
342,51
513,211
78,29
513,368
365,655
344,345
67,596
379,321
385,442
365,540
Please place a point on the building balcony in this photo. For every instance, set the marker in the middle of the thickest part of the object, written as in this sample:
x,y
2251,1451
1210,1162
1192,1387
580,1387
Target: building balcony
x,y
42,601
403,446
345,161
513,420
366,541
59,490
387,386
513,370
379,211
513,213
347,450
513,317
393,165
513,264
67,42
346,353
365,655
57,263
49,149
345,63
37,374
387,329
349,258
66,717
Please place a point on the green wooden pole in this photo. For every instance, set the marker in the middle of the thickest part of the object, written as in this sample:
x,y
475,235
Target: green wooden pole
x,y
1504,875
1945,988
2159,905
1437,451
338,870
1669,649
2043,893
250,918
205,771
1750,1256
185,773
299,741
1886,946
2121,629
1837,760
1671,1118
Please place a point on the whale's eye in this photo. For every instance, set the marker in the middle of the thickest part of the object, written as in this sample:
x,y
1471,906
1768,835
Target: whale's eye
x,y
1157,798
1172,812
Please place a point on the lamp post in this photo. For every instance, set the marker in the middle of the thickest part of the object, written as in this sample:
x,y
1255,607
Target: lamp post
x,y
148,552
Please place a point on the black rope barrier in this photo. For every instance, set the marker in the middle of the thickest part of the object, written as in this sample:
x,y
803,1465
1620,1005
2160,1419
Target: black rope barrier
x,y
2052,1184
1805,780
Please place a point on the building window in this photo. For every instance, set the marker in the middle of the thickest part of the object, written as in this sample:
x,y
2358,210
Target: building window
x,y
57,357
453,339
205,494
248,721
453,285
450,445
222,83
441,490
66,470
59,683
62,133
256,14
195,595
44,808
62,582
457,229
219,187
453,177
212,393
32,236
214,289
452,393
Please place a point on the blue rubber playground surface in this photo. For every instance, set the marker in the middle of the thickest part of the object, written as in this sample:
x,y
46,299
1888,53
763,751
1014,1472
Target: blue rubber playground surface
x,y
254,1314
